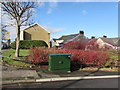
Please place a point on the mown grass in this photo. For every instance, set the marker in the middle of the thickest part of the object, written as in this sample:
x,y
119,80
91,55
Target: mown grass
x,y
114,57
10,53
25,52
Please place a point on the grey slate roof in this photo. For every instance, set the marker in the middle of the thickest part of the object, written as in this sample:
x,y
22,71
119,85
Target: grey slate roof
x,y
74,37
112,41
56,39
79,38
68,37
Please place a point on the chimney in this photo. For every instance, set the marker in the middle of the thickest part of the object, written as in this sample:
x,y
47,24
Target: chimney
x,y
81,33
104,36
92,37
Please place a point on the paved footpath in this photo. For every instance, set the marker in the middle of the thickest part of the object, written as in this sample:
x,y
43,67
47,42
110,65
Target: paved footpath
x,y
14,75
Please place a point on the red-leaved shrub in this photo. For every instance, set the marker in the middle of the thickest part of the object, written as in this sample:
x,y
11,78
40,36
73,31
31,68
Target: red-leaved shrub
x,y
75,45
40,54
92,45
85,57
86,45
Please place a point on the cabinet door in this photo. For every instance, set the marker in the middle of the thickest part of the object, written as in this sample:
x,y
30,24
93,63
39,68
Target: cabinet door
x,y
59,62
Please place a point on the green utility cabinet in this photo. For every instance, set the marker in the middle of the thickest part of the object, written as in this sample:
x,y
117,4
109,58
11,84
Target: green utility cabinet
x,y
59,62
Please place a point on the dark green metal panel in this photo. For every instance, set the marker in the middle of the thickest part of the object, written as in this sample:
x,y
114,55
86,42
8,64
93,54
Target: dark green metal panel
x,y
59,62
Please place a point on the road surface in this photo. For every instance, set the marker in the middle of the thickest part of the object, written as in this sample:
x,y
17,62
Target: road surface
x,y
86,83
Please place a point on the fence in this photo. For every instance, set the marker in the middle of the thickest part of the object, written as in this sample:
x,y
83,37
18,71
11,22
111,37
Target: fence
x,y
46,63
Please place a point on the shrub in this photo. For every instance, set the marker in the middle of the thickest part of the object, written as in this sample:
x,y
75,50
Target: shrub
x,y
40,54
92,45
85,57
27,44
75,45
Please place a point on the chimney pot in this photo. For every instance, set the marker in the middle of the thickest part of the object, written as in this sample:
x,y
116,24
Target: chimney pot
x,y
104,36
81,32
92,37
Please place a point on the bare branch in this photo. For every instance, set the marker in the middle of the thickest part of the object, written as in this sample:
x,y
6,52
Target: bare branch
x,y
21,13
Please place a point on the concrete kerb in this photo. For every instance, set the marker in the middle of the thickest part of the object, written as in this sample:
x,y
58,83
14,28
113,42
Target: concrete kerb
x,y
76,78
18,81
59,79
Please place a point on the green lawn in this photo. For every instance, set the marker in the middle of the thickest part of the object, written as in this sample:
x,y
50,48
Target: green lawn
x,y
10,53
113,58
25,52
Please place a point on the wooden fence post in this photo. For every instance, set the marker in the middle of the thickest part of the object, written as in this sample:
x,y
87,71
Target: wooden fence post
x,y
2,59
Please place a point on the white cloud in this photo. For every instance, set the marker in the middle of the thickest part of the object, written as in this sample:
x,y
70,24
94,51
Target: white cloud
x,y
57,37
84,12
49,11
6,20
42,4
53,30
52,5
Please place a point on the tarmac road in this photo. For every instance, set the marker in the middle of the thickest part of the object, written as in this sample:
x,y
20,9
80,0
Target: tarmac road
x,y
86,83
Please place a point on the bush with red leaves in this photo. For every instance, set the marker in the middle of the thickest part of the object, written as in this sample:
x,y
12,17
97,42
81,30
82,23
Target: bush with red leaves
x,y
85,57
75,45
92,45
38,54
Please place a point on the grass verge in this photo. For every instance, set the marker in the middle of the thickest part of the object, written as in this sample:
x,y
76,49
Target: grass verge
x,y
10,53
114,69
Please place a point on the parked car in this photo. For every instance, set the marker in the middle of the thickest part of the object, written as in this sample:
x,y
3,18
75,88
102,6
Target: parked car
x,y
4,45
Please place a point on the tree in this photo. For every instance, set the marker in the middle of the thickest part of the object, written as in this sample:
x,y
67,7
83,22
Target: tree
x,y
21,13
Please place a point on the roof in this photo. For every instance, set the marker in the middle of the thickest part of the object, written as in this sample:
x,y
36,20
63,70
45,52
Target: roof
x,y
74,37
79,38
68,37
112,41
92,41
56,39
34,25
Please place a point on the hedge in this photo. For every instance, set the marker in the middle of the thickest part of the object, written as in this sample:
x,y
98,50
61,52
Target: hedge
x,y
85,57
27,44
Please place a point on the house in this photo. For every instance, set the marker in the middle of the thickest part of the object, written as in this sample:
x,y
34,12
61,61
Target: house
x,y
110,43
56,42
74,37
104,43
35,32
66,38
